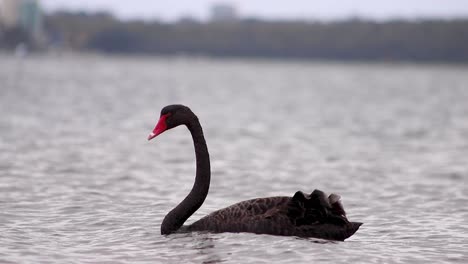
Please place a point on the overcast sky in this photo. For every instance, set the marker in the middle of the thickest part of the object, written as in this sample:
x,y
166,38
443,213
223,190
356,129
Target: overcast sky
x,y
170,10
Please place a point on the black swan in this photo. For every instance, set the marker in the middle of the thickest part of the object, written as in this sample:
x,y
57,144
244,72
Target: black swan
x,y
302,215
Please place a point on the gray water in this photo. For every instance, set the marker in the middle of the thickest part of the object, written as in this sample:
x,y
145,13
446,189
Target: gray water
x,y
80,183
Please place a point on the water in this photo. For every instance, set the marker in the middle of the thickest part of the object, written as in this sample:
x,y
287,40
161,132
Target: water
x,y
80,183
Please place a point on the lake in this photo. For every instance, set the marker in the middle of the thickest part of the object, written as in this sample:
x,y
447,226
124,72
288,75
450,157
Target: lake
x,y
80,183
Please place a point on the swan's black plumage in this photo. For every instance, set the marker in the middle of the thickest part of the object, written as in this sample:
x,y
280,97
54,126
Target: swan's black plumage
x,y
303,215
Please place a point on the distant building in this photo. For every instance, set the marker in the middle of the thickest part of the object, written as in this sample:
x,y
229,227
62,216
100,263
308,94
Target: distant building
x,y
223,12
23,14
9,13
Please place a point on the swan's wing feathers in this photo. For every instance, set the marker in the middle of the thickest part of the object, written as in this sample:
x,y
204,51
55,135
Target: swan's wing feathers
x,y
243,212
337,206
314,215
262,207
315,208
299,210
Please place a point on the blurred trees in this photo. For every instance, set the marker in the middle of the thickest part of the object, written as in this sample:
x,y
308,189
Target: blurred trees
x,y
11,37
429,40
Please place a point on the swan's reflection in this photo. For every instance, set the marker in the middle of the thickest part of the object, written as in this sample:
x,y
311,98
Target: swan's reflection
x,y
205,246
202,243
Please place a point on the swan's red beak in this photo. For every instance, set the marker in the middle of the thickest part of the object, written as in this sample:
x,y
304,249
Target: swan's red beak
x,y
160,127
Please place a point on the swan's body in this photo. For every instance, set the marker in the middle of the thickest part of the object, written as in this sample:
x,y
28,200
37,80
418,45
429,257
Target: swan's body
x,y
314,215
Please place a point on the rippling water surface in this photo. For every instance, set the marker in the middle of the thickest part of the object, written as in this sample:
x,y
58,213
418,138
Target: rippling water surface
x,y
80,183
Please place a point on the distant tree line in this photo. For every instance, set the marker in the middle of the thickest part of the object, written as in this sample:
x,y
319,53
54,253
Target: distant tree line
x,y
11,37
428,40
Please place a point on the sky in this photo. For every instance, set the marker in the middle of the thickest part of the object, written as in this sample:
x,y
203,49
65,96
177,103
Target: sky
x,y
171,10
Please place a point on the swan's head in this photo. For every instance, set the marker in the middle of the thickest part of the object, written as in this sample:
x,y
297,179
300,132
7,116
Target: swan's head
x,y
172,116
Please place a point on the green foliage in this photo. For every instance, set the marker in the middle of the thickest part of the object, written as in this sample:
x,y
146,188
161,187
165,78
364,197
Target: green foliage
x,y
427,40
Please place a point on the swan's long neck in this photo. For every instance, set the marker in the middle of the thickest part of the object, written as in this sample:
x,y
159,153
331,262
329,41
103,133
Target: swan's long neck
x,y
176,218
